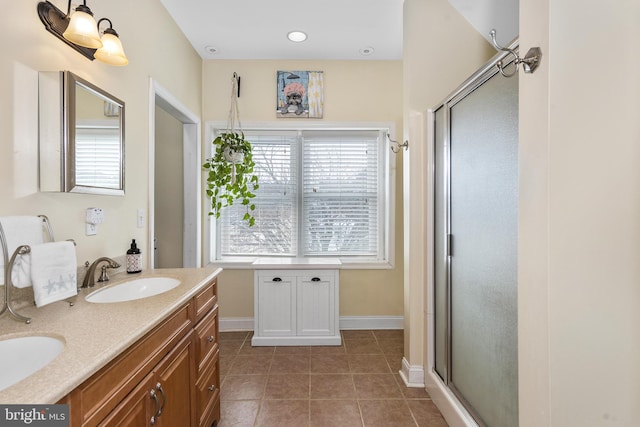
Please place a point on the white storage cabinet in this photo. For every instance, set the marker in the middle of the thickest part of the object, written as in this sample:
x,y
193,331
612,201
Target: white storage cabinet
x,y
296,307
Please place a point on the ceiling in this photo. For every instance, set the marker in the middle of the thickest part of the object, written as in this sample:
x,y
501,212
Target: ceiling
x,y
485,15
257,29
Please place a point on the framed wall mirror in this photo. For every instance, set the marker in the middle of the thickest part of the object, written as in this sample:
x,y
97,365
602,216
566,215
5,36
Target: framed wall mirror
x,y
81,136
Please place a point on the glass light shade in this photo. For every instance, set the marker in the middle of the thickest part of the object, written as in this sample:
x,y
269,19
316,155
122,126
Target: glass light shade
x,y
111,51
83,30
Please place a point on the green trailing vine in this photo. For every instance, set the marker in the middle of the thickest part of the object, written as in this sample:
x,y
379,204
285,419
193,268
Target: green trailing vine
x,y
230,178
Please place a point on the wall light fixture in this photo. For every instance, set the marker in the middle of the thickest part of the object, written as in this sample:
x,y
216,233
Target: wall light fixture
x,y
80,31
111,51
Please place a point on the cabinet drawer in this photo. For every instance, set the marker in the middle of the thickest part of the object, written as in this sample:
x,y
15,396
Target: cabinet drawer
x,y
207,338
208,393
206,299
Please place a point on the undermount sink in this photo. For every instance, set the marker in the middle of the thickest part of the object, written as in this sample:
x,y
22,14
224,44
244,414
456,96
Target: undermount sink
x,y
133,290
22,356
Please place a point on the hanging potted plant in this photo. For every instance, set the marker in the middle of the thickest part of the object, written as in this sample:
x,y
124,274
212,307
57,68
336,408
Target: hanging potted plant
x,y
230,178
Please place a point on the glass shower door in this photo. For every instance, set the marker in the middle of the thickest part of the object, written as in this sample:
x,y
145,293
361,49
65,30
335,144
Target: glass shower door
x,y
475,259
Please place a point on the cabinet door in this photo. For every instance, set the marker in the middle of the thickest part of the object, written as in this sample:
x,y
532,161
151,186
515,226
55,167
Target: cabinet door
x,y
175,376
315,304
138,408
276,295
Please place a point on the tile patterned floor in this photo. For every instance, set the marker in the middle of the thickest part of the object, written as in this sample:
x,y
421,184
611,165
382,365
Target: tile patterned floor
x,y
356,384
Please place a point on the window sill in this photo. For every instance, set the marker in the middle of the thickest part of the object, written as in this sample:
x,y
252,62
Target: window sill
x,y
300,263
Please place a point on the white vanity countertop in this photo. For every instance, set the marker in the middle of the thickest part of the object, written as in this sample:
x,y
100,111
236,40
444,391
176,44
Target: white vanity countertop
x,y
94,334
296,263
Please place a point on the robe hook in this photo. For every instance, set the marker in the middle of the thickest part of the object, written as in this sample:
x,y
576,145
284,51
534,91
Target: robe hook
x,y
396,146
529,63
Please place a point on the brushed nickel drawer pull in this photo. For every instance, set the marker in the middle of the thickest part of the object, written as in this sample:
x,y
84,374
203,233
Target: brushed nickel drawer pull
x,y
154,396
164,398
212,387
210,338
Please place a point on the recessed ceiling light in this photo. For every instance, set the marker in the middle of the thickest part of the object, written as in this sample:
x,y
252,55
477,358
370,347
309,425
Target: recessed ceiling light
x,y
297,36
366,51
210,49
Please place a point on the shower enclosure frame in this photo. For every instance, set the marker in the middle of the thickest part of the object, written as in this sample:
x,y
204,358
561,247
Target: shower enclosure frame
x,y
448,398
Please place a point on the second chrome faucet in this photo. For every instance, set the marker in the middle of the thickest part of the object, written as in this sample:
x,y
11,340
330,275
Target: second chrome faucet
x,y
89,278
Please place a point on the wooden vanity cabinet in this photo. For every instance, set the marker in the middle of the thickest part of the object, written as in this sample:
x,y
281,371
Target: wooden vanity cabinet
x,y
168,378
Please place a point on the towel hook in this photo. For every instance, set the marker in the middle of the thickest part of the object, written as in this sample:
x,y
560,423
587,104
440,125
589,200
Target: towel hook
x,y
529,63
396,146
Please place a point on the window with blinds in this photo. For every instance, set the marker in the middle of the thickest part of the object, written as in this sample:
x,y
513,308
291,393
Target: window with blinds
x,y
340,193
276,213
97,156
321,194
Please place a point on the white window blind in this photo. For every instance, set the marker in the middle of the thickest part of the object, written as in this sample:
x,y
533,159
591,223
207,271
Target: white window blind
x,y
340,193
97,156
276,213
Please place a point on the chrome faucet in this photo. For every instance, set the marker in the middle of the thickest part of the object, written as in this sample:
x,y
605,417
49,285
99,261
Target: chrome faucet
x,y
89,278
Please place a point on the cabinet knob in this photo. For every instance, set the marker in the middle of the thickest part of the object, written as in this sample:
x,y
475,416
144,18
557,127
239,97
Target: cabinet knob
x,y
315,279
210,338
212,387
277,279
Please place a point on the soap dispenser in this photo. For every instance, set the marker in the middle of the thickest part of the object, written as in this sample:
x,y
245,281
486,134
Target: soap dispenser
x,y
134,258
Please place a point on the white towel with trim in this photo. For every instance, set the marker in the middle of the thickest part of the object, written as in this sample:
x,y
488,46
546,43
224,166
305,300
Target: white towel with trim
x,y
53,271
20,230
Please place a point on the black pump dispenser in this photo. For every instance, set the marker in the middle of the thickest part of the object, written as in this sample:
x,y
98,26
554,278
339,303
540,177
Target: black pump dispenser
x,y
134,258
134,248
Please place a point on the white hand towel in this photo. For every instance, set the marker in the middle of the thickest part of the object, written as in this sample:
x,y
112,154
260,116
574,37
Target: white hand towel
x,y
53,271
21,273
20,230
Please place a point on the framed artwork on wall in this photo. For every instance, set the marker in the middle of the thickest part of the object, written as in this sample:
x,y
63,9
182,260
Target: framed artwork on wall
x,y
300,94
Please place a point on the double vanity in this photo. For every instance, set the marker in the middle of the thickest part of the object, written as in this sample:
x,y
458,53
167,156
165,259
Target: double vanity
x,y
130,354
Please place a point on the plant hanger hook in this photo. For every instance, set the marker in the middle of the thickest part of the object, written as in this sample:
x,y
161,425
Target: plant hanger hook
x,y
234,113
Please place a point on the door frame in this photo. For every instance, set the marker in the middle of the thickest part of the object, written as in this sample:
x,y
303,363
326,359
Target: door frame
x,y
192,227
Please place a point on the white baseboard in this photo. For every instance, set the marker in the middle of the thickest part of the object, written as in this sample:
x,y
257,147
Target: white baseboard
x,y
346,322
449,406
412,375
371,322
236,324
287,341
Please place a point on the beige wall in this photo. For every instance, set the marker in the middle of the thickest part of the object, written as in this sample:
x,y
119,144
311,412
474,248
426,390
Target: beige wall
x,y
353,91
155,48
441,50
579,278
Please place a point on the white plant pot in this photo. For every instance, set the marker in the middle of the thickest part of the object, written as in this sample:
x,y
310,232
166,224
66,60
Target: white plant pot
x,y
232,156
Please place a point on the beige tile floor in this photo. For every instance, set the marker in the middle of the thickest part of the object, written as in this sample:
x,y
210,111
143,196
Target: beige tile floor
x,y
355,384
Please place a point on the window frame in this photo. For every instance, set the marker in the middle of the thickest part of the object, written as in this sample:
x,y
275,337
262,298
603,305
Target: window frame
x,y
388,208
